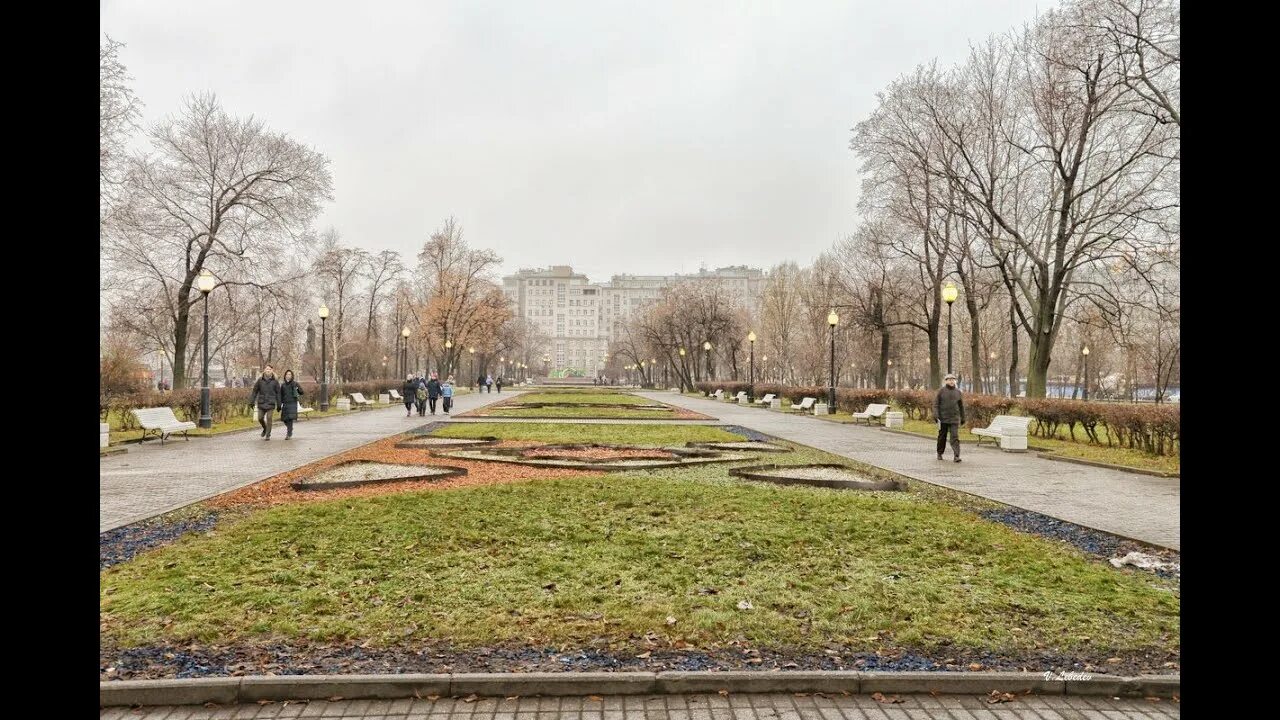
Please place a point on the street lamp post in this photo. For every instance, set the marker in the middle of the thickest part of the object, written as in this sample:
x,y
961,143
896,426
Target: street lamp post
x,y
832,319
949,295
324,360
992,373
472,350
751,386
764,368
404,333
682,370
1085,352
706,346
205,283
448,361
384,367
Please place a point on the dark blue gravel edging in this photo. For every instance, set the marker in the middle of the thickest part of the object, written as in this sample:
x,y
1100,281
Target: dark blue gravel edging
x,y
123,543
1094,542
748,433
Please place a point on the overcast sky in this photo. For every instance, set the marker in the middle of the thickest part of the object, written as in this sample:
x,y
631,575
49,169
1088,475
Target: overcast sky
x,y
644,137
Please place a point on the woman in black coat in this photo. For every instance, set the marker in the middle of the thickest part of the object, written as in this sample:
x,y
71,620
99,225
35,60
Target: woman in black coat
x,y
410,394
290,396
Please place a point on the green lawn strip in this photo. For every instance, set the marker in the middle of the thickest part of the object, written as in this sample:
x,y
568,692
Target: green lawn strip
x,y
603,398
475,566
243,422
578,412
558,433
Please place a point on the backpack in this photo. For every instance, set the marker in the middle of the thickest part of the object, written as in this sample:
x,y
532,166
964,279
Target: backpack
x,y
421,394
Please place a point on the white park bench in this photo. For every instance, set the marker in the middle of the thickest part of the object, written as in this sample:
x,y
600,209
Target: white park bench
x,y
161,421
302,411
1009,431
395,395
718,394
360,401
739,398
874,411
766,400
806,405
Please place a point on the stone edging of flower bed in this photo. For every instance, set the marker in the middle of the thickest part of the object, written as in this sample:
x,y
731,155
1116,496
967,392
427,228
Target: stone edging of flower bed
x,y
250,689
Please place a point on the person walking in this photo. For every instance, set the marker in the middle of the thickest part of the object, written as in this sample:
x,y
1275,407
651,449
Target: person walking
x,y
948,410
498,382
421,395
409,393
433,391
290,396
446,391
488,383
266,397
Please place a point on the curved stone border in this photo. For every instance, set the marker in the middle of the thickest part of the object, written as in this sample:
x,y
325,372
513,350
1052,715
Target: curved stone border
x,y
686,457
733,445
416,443
253,688
762,472
451,472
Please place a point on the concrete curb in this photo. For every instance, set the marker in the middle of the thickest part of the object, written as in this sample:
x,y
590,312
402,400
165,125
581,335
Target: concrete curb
x,y
250,689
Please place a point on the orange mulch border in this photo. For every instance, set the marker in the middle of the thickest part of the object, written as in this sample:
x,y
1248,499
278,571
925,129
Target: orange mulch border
x,y
276,490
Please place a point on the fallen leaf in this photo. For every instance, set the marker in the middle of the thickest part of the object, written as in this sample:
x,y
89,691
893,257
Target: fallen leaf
x,y
745,605
644,655
998,697
975,666
723,692
470,698
335,698
671,620
880,698
595,698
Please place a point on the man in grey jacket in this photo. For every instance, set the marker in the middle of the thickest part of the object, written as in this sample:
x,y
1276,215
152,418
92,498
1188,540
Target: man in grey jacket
x,y
948,409
266,395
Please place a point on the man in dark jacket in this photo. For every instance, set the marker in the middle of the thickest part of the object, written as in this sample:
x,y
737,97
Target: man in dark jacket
x,y
948,409
433,392
266,396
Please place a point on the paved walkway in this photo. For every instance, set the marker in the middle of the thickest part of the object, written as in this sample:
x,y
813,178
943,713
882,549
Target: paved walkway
x,y
1137,506
152,479
689,707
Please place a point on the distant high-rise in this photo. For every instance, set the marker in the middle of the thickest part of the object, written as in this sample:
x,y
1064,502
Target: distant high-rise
x,y
582,317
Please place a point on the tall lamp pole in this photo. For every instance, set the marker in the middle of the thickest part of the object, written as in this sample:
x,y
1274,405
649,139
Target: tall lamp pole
x,y
205,284
324,360
706,346
448,361
751,387
1085,352
949,295
682,370
404,333
832,319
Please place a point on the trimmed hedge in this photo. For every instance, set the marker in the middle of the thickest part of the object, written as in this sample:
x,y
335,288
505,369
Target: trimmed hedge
x,y
225,403
1156,429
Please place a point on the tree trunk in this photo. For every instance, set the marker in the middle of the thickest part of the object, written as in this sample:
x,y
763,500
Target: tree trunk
x,y
181,327
935,322
975,346
882,368
1013,352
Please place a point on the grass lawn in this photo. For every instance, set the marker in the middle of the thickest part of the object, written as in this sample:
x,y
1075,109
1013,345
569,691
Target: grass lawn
x,y
237,423
559,433
579,412
573,560
582,396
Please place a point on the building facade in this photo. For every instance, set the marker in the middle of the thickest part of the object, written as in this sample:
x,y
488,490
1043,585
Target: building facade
x,y
582,317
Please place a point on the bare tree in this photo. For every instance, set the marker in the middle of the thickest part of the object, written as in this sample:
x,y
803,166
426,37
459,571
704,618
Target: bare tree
x,y
120,110
217,193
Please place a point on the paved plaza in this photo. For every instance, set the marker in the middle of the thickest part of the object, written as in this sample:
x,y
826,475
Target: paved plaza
x,y
684,707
